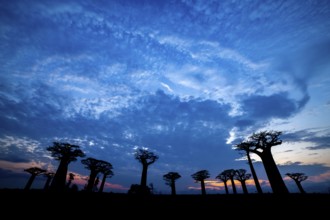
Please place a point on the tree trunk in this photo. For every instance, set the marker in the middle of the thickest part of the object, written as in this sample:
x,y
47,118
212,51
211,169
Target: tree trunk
x,y
245,191
29,183
226,187
300,186
254,174
58,183
233,185
144,176
273,174
102,183
49,178
91,181
173,188
203,187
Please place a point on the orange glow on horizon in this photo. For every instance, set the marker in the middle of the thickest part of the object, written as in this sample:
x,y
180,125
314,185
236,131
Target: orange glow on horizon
x,y
18,167
219,185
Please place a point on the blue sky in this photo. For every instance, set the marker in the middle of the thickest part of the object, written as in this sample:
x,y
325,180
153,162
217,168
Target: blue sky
x,y
185,79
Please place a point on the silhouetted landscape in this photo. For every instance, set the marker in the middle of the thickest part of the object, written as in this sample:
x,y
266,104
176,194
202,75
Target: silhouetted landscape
x,y
153,109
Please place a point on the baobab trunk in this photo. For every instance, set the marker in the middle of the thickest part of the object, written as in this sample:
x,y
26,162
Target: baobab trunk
x,y
30,181
299,186
91,181
245,191
233,185
58,183
254,174
226,188
102,183
203,187
173,188
49,178
144,176
273,174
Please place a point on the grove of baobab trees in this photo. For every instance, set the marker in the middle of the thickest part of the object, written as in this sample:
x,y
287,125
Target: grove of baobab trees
x,y
258,143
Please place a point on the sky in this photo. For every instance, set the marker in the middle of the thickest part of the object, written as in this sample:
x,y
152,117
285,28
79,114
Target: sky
x,y
185,79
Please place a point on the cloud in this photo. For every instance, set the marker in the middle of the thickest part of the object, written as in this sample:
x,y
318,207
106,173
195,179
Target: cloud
x,y
319,138
278,106
308,169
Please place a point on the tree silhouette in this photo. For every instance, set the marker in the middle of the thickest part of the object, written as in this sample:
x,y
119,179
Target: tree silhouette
x,y
146,158
298,178
34,171
107,173
242,176
261,144
200,176
95,166
96,182
246,147
170,179
71,178
49,176
231,173
224,177
65,153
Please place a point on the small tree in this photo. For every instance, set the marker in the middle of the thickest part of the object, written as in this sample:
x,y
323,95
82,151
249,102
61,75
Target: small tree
x,y
243,146
146,158
224,177
298,178
65,153
95,166
242,176
49,176
107,173
200,176
231,173
170,179
34,171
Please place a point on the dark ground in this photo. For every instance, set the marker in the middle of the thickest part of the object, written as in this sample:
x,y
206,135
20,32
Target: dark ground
x,y
34,203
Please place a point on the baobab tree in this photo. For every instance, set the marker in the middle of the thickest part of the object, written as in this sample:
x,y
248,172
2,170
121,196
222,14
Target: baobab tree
x,y
49,176
146,158
95,166
261,144
242,176
231,173
298,178
34,171
65,153
107,173
170,179
224,177
246,147
200,176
